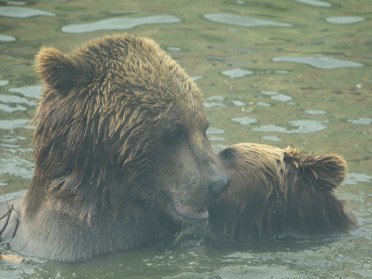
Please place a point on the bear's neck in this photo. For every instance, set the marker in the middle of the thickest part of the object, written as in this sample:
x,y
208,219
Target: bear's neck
x,y
58,230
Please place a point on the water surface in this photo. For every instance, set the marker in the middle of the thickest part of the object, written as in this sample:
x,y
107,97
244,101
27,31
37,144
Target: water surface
x,y
274,72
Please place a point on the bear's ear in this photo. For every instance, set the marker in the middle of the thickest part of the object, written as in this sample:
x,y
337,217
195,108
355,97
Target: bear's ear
x,y
328,170
58,70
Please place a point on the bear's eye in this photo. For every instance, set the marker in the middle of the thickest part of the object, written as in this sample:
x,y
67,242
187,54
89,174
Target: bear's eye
x,y
175,134
228,155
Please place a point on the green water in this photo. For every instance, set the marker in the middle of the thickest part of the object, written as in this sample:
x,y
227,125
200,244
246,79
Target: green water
x,y
275,72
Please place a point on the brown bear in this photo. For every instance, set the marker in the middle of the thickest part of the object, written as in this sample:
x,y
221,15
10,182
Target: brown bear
x,y
277,193
121,153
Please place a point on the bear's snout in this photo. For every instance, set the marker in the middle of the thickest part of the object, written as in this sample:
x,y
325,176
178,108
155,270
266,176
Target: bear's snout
x,y
219,184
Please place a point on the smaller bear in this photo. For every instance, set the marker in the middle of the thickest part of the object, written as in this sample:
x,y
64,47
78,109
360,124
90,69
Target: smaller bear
x,y
276,193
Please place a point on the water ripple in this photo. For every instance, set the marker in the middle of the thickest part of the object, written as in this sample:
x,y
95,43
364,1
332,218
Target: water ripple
x,y
316,3
243,21
344,19
361,121
303,126
245,120
353,178
21,12
14,124
7,38
4,82
281,97
32,91
236,73
319,62
118,23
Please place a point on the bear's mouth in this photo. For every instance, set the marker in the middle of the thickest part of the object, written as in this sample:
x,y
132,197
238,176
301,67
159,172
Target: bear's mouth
x,y
190,212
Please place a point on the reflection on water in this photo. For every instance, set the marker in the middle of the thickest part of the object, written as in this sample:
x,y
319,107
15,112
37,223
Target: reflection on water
x,y
22,12
14,124
303,127
245,120
281,97
244,21
353,178
233,49
118,23
6,38
32,91
4,82
236,73
315,3
361,121
271,138
316,111
344,19
319,62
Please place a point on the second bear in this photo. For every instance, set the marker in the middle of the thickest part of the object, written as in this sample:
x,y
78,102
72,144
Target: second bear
x,y
278,192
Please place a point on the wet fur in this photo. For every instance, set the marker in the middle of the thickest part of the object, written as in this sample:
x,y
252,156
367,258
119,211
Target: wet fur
x,y
119,139
278,192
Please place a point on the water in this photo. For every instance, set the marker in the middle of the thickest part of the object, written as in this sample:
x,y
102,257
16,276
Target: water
x,y
298,73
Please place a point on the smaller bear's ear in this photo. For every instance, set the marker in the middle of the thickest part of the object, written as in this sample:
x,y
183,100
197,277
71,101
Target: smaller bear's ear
x,y
58,70
329,170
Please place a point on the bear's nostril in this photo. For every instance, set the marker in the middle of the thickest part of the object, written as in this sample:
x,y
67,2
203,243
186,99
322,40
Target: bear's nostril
x,y
219,185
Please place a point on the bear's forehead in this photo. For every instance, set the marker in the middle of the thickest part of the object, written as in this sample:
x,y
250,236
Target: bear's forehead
x,y
127,63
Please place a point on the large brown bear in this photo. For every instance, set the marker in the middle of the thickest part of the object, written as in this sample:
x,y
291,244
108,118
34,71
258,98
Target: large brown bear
x,y
277,193
122,157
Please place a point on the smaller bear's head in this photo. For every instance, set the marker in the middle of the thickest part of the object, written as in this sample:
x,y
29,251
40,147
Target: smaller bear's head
x,y
120,120
274,191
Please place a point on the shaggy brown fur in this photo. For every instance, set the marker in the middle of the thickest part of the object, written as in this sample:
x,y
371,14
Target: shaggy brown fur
x,y
122,157
278,192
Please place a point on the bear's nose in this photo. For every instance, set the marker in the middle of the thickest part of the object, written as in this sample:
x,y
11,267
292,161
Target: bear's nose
x,y
218,185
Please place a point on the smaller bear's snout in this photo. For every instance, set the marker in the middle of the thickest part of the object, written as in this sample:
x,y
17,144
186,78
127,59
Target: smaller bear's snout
x,y
218,185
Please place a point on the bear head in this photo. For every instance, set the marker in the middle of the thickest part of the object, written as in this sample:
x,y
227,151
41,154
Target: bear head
x,y
120,120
